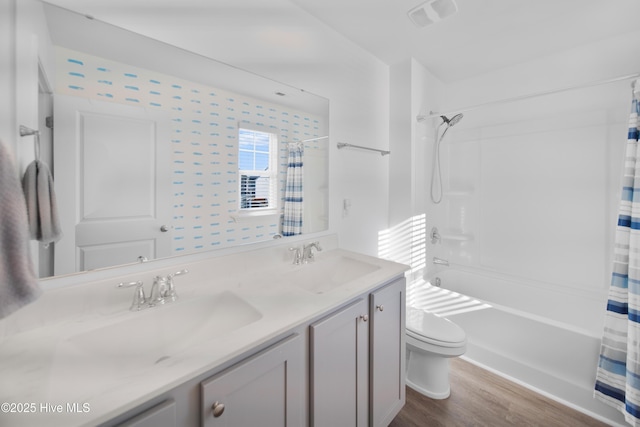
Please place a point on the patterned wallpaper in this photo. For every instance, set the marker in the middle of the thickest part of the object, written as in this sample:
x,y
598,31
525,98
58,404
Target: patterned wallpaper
x,y
204,142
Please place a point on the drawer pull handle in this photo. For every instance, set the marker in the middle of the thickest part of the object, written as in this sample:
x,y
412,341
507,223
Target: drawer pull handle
x,y
364,317
218,409
380,307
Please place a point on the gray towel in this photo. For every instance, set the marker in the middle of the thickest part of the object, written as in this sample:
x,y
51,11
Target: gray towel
x,y
18,282
37,184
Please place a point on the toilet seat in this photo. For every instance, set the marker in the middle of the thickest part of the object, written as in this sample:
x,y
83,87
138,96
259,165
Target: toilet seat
x,y
432,329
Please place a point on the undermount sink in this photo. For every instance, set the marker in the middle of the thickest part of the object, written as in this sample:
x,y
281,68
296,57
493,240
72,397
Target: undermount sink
x,y
146,339
327,274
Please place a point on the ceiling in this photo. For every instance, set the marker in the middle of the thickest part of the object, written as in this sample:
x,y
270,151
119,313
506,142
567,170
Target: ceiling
x,y
484,35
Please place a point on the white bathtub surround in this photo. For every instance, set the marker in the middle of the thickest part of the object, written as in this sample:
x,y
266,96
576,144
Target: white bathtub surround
x,y
523,334
71,345
616,381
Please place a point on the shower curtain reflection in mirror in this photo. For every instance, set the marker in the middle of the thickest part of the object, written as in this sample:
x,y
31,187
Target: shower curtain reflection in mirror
x,y
293,193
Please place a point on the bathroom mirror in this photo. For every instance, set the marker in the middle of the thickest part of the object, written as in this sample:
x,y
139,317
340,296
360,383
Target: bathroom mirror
x,y
146,138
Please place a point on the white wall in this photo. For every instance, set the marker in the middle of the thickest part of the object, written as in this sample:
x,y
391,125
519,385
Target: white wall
x,y
7,72
401,144
414,91
24,41
33,46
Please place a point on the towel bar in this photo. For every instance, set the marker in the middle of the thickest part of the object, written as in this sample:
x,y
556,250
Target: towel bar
x,y
26,131
344,144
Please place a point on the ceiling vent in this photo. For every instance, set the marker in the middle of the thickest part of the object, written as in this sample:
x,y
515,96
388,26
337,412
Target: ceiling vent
x,y
432,11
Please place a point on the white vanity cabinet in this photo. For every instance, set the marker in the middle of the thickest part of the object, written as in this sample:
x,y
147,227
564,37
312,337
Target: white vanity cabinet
x,y
339,368
387,358
343,368
357,361
266,389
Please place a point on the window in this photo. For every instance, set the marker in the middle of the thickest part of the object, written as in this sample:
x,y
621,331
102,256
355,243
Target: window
x,y
258,168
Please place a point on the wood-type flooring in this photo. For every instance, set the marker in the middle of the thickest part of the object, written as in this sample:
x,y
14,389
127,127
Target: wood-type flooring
x,y
481,398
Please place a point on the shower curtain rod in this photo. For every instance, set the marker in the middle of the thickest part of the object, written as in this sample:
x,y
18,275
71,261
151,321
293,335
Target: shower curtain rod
x,y
433,114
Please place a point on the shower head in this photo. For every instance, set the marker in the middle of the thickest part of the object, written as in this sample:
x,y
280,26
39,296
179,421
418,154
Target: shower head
x,y
453,120
436,157
449,122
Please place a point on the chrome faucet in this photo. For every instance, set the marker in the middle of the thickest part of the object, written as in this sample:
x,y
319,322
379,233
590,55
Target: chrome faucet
x,y
162,291
307,252
158,291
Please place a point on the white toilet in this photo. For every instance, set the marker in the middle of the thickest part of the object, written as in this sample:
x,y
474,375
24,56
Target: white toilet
x,y
431,341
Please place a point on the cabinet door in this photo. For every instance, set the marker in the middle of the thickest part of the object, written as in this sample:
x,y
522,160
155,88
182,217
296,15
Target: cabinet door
x,y
339,366
387,386
264,390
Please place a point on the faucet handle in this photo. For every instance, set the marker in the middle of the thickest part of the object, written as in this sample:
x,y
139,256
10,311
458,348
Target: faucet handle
x,y
139,300
307,255
170,291
315,244
297,255
179,273
129,284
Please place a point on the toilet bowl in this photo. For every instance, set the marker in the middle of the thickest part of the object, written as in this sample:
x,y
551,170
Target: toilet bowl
x,y
431,341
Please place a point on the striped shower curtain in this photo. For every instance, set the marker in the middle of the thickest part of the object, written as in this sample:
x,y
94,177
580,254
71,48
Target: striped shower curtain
x,y
618,373
292,221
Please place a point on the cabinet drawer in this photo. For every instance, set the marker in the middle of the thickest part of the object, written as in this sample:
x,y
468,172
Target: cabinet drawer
x,y
161,415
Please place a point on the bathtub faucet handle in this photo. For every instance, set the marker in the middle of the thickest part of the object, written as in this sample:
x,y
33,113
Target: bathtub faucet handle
x,y
434,236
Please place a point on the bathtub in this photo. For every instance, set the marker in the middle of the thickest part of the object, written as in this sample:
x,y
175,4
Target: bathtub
x,y
553,350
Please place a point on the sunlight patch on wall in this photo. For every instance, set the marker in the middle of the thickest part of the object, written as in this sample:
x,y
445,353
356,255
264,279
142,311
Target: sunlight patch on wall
x,y
405,243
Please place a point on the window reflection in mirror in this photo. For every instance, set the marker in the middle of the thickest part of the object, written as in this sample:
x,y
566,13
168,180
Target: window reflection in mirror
x,y
258,169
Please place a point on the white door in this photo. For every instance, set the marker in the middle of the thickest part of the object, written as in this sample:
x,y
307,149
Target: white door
x,y
113,182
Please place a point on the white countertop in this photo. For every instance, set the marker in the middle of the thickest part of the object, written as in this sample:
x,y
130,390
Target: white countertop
x,y
58,385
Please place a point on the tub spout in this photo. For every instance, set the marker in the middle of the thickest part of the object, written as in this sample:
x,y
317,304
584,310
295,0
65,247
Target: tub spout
x,y
440,261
